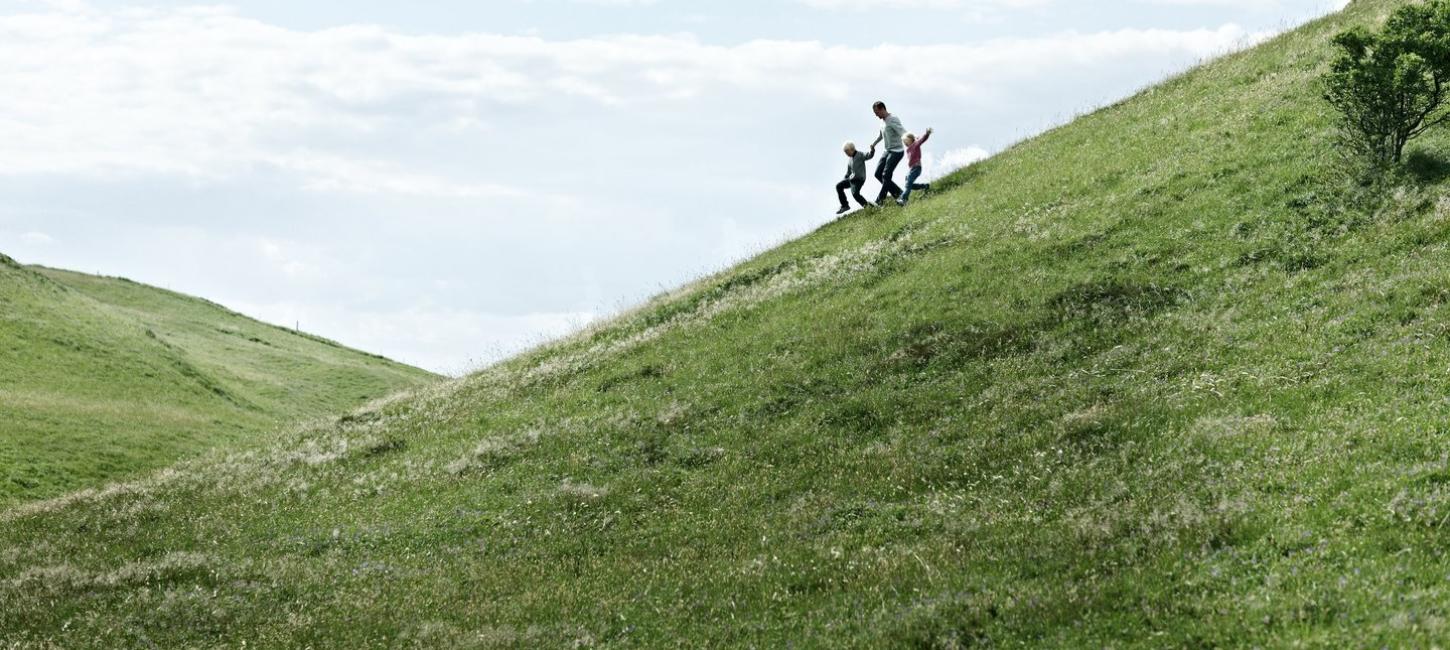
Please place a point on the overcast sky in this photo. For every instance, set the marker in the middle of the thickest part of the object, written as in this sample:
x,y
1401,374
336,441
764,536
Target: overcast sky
x,y
447,182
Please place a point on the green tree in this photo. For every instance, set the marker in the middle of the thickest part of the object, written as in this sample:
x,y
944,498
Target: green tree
x,y
1390,86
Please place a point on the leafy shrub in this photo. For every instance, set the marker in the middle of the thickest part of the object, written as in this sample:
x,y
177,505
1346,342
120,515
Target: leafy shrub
x,y
1390,86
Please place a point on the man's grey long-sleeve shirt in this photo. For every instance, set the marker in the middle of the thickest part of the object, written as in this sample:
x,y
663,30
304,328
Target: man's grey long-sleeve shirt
x,y
892,133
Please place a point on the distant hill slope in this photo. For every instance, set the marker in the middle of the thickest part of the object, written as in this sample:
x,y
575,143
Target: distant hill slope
x,y
1160,378
103,378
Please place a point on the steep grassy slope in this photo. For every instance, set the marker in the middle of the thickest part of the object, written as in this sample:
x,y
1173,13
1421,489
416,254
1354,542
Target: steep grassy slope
x,y
1159,378
102,378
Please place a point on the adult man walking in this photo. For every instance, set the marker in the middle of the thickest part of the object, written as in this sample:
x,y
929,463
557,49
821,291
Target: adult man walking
x,y
891,132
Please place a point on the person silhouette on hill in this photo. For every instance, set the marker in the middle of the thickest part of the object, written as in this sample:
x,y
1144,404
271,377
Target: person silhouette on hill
x,y
855,178
913,163
891,134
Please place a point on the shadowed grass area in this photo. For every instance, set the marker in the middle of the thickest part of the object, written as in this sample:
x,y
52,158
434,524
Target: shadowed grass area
x,y
104,379
1162,377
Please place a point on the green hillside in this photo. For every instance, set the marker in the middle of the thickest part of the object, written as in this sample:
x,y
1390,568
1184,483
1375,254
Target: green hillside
x,y
1160,378
104,378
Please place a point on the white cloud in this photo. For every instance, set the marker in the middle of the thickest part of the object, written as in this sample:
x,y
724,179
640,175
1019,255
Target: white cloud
x,y
34,238
864,5
936,166
999,5
427,336
617,3
206,94
1000,11
324,172
1334,5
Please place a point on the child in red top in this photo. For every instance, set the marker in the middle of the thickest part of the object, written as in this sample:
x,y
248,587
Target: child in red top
x,y
913,160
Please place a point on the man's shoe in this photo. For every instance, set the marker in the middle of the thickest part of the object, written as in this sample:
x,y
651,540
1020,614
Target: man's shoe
x,y
844,209
901,202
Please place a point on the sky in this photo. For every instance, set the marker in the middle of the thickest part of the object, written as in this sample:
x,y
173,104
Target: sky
x,y
449,182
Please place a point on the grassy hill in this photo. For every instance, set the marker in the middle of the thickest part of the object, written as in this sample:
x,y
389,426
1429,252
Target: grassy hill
x,y
104,378
1159,378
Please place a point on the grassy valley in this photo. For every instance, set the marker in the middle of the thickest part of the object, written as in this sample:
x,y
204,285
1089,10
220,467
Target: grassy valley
x,y
1163,377
104,379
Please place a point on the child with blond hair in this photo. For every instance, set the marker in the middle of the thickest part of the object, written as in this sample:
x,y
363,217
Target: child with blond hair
x,y
913,160
855,178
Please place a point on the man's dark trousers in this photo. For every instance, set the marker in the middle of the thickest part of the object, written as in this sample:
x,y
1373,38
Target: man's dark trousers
x,y
886,171
855,186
